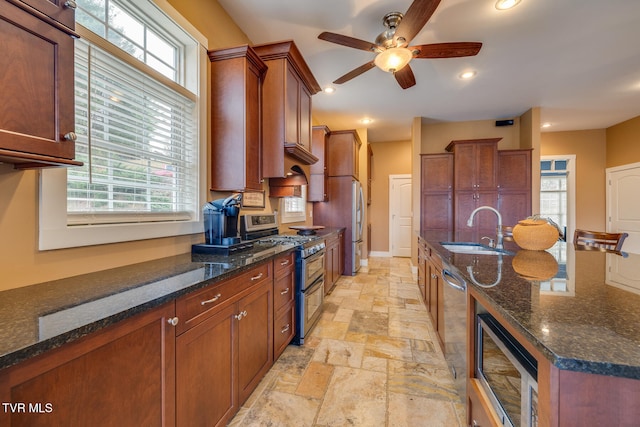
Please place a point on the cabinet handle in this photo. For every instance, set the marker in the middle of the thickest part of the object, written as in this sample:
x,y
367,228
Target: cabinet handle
x,y
70,136
286,291
475,423
70,4
259,276
434,276
209,301
173,321
240,315
285,329
285,262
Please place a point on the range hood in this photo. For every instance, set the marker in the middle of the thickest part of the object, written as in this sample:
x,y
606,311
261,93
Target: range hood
x,y
290,185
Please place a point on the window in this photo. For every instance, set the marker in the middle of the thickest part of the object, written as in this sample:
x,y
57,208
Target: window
x,y
554,191
137,80
294,209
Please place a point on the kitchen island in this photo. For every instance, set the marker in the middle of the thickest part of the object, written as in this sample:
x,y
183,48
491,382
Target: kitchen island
x,y
581,327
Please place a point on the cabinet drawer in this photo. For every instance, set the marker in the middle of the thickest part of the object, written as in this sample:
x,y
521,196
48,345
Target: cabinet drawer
x,y
283,330
194,308
284,263
283,289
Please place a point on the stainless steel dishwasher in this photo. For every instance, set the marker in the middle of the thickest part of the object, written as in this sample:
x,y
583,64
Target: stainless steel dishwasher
x,y
455,327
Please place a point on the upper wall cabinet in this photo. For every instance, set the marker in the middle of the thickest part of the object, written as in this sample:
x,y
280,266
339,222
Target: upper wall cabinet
x,y
288,87
236,116
37,120
343,156
317,189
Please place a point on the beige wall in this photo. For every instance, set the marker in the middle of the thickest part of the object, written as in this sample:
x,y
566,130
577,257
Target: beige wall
x,y
20,261
436,136
590,148
623,144
389,158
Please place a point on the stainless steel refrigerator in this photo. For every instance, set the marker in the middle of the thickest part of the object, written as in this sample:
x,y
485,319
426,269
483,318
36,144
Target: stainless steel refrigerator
x,y
357,219
344,209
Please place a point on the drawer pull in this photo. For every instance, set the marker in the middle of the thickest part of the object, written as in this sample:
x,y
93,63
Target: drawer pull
x,y
173,321
286,291
285,262
285,329
259,276
209,301
240,315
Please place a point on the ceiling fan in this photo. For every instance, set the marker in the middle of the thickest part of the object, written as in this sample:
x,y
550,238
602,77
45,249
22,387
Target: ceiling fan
x,y
392,45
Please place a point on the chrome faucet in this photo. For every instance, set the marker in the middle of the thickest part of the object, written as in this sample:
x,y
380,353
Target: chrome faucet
x,y
499,234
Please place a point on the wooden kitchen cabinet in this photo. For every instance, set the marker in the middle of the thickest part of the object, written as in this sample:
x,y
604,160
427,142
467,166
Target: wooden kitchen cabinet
x,y
333,260
229,348
433,287
475,164
343,153
37,115
514,185
422,270
287,89
436,183
474,173
317,188
124,373
284,326
236,119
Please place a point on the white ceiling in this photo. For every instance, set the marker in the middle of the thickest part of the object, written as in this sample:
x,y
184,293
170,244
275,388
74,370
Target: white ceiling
x,y
579,60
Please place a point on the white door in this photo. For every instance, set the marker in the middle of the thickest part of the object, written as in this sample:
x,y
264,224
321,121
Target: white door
x,y
623,204
400,225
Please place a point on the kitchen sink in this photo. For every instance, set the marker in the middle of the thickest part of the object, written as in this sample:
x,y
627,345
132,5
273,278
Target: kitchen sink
x,y
472,248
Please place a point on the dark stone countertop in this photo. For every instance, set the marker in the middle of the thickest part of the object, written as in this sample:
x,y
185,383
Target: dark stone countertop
x,y
582,319
37,318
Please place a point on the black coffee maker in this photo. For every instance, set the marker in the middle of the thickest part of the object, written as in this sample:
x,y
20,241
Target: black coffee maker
x,y
221,221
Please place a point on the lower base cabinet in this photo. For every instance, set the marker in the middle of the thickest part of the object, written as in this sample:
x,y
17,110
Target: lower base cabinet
x,y
191,362
221,359
334,260
122,375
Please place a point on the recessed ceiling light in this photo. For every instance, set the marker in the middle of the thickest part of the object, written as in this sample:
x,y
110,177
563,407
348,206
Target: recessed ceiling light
x,y
506,4
467,75
329,89
546,125
366,121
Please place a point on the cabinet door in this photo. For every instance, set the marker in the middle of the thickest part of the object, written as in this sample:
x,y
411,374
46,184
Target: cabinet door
x,y
255,338
437,172
253,139
514,170
437,211
305,117
291,106
465,167
122,374
467,201
206,383
485,166
36,76
514,206
283,330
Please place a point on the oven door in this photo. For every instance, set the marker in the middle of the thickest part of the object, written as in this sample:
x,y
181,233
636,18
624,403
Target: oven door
x,y
313,300
313,268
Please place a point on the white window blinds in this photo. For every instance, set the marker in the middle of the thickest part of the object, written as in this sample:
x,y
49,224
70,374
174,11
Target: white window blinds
x,y
137,138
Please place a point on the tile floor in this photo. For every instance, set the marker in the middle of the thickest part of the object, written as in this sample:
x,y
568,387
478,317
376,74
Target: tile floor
x,y
372,360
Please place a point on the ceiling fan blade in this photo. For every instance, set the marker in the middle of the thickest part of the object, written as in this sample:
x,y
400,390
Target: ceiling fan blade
x,y
416,17
446,50
405,77
355,73
348,41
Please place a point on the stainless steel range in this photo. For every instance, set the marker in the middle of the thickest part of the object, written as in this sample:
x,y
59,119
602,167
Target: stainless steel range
x,y
309,280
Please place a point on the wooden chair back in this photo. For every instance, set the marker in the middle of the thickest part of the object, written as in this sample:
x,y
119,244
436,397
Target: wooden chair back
x,y
599,240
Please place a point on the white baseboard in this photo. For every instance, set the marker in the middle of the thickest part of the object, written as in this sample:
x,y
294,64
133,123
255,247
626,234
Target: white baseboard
x,y
380,254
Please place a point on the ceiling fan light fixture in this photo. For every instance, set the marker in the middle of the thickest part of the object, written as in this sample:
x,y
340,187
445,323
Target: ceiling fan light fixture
x,y
393,59
506,4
